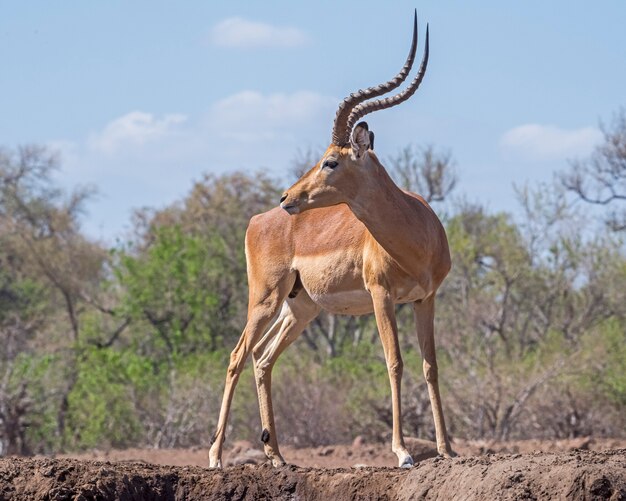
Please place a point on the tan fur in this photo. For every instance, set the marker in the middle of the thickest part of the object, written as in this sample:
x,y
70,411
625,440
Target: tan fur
x,y
367,246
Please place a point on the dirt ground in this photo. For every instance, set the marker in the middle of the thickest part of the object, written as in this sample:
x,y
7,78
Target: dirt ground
x,y
582,469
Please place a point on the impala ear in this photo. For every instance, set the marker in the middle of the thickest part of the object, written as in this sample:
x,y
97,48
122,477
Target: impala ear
x,y
360,140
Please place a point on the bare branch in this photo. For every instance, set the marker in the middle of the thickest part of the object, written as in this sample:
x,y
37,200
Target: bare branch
x,y
601,178
424,171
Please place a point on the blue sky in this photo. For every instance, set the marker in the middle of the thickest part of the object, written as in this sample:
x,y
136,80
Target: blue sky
x,y
143,97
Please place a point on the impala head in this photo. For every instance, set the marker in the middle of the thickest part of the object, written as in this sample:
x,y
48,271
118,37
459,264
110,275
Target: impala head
x,y
337,177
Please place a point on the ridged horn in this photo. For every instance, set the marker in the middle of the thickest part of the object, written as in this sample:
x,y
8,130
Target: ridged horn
x,y
361,110
341,132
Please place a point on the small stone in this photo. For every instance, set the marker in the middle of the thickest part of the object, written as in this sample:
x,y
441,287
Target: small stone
x,y
243,460
358,441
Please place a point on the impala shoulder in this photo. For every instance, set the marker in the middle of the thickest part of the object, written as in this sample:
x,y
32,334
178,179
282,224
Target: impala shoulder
x,y
275,225
273,217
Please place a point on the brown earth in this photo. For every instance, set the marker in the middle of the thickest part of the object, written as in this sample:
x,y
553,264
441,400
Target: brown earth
x,y
581,469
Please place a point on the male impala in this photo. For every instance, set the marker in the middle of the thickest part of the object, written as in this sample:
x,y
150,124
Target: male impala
x,y
366,246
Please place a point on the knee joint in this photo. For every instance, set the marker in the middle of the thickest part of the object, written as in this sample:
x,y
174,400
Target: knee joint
x,y
231,373
430,373
234,365
396,368
260,369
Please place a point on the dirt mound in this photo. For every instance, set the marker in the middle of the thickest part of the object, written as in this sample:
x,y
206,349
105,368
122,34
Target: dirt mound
x,y
359,452
571,475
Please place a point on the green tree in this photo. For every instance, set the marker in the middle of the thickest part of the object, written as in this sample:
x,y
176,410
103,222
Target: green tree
x,y
529,294
52,276
185,275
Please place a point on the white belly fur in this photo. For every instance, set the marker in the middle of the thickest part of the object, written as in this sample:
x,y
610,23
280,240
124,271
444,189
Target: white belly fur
x,y
353,302
335,282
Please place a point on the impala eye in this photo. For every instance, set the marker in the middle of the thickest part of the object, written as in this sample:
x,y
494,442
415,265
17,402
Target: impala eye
x,y
331,164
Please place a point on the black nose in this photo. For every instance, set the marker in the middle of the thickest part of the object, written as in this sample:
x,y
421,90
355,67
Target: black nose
x,y
283,198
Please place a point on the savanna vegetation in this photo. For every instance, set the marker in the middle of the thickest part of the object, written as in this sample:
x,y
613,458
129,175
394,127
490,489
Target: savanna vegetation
x,y
128,346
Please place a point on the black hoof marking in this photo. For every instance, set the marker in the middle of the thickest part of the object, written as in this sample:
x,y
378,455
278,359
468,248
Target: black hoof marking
x,y
265,436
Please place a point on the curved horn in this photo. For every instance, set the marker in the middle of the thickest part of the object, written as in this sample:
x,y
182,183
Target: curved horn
x,y
361,110
341,133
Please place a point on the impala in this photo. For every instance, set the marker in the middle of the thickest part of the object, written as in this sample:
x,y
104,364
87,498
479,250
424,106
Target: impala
x,y
347,240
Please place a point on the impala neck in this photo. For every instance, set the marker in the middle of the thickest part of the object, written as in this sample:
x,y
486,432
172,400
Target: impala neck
x,y
405,228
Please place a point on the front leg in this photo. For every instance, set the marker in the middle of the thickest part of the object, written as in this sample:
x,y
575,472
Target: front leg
x,y
384,309
425,322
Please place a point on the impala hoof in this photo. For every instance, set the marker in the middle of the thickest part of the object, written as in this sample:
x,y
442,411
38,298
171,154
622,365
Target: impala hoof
x,y
278,462
407,463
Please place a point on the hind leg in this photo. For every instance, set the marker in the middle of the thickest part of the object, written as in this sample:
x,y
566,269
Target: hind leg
x,y
264,304
295,315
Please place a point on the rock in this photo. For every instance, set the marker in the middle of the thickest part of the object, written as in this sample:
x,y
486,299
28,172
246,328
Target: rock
x,y
249,456
243,460
240,447
358,441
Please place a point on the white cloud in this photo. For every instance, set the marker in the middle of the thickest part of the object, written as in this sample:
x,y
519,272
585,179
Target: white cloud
x,y
549,142
241,33
251,114
143,159
134,129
